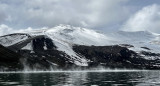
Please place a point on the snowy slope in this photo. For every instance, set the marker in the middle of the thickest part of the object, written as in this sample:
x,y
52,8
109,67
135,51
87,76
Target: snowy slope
x,y
65,36
11,39
77,35
138,39
138,36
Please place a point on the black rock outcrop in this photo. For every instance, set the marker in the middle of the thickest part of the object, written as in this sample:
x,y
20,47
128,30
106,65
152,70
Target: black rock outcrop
x,y
10,60
114,57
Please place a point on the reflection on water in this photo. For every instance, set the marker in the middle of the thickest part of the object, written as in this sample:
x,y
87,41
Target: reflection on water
x,y
139,78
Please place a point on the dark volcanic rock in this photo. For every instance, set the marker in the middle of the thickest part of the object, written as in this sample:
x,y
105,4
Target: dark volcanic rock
x,y
150,54
146,48
39,43
9,60
113,57
110,56
126,45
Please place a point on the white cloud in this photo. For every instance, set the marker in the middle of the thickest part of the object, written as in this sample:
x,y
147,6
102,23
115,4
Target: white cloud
x,y
147,18
4,30
40,13
97,14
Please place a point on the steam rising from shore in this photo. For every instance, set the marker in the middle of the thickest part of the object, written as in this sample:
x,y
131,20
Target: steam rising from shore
x,y
98,69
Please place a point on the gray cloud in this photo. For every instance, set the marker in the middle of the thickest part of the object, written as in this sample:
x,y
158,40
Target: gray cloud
x,y
97,14
39,13
3,15
4,30
147,18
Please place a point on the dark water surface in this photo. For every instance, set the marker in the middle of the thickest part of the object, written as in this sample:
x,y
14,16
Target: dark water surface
x,y
122,78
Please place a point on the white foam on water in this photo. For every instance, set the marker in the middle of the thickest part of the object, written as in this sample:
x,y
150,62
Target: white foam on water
x,y
76,71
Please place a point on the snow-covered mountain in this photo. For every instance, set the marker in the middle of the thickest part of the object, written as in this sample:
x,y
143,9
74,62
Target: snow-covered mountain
x,y
68,43
64,36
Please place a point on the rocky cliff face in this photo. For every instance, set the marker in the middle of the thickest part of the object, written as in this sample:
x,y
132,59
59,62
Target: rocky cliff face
x,y
10,60
44,55
114,57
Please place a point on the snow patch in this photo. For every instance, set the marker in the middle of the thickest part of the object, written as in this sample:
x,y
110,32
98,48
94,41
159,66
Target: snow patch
x,y
28,47
9,40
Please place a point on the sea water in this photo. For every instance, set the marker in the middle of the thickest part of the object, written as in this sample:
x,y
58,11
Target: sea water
x,y
81,78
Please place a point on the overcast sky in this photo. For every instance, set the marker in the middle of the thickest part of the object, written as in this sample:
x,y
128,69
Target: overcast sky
x,y
103,15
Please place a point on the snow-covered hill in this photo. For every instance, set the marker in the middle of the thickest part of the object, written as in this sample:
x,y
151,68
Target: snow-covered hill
x,y
66,34
65,37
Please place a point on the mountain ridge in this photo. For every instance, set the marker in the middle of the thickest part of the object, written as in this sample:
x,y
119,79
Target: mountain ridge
x,y
64,46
